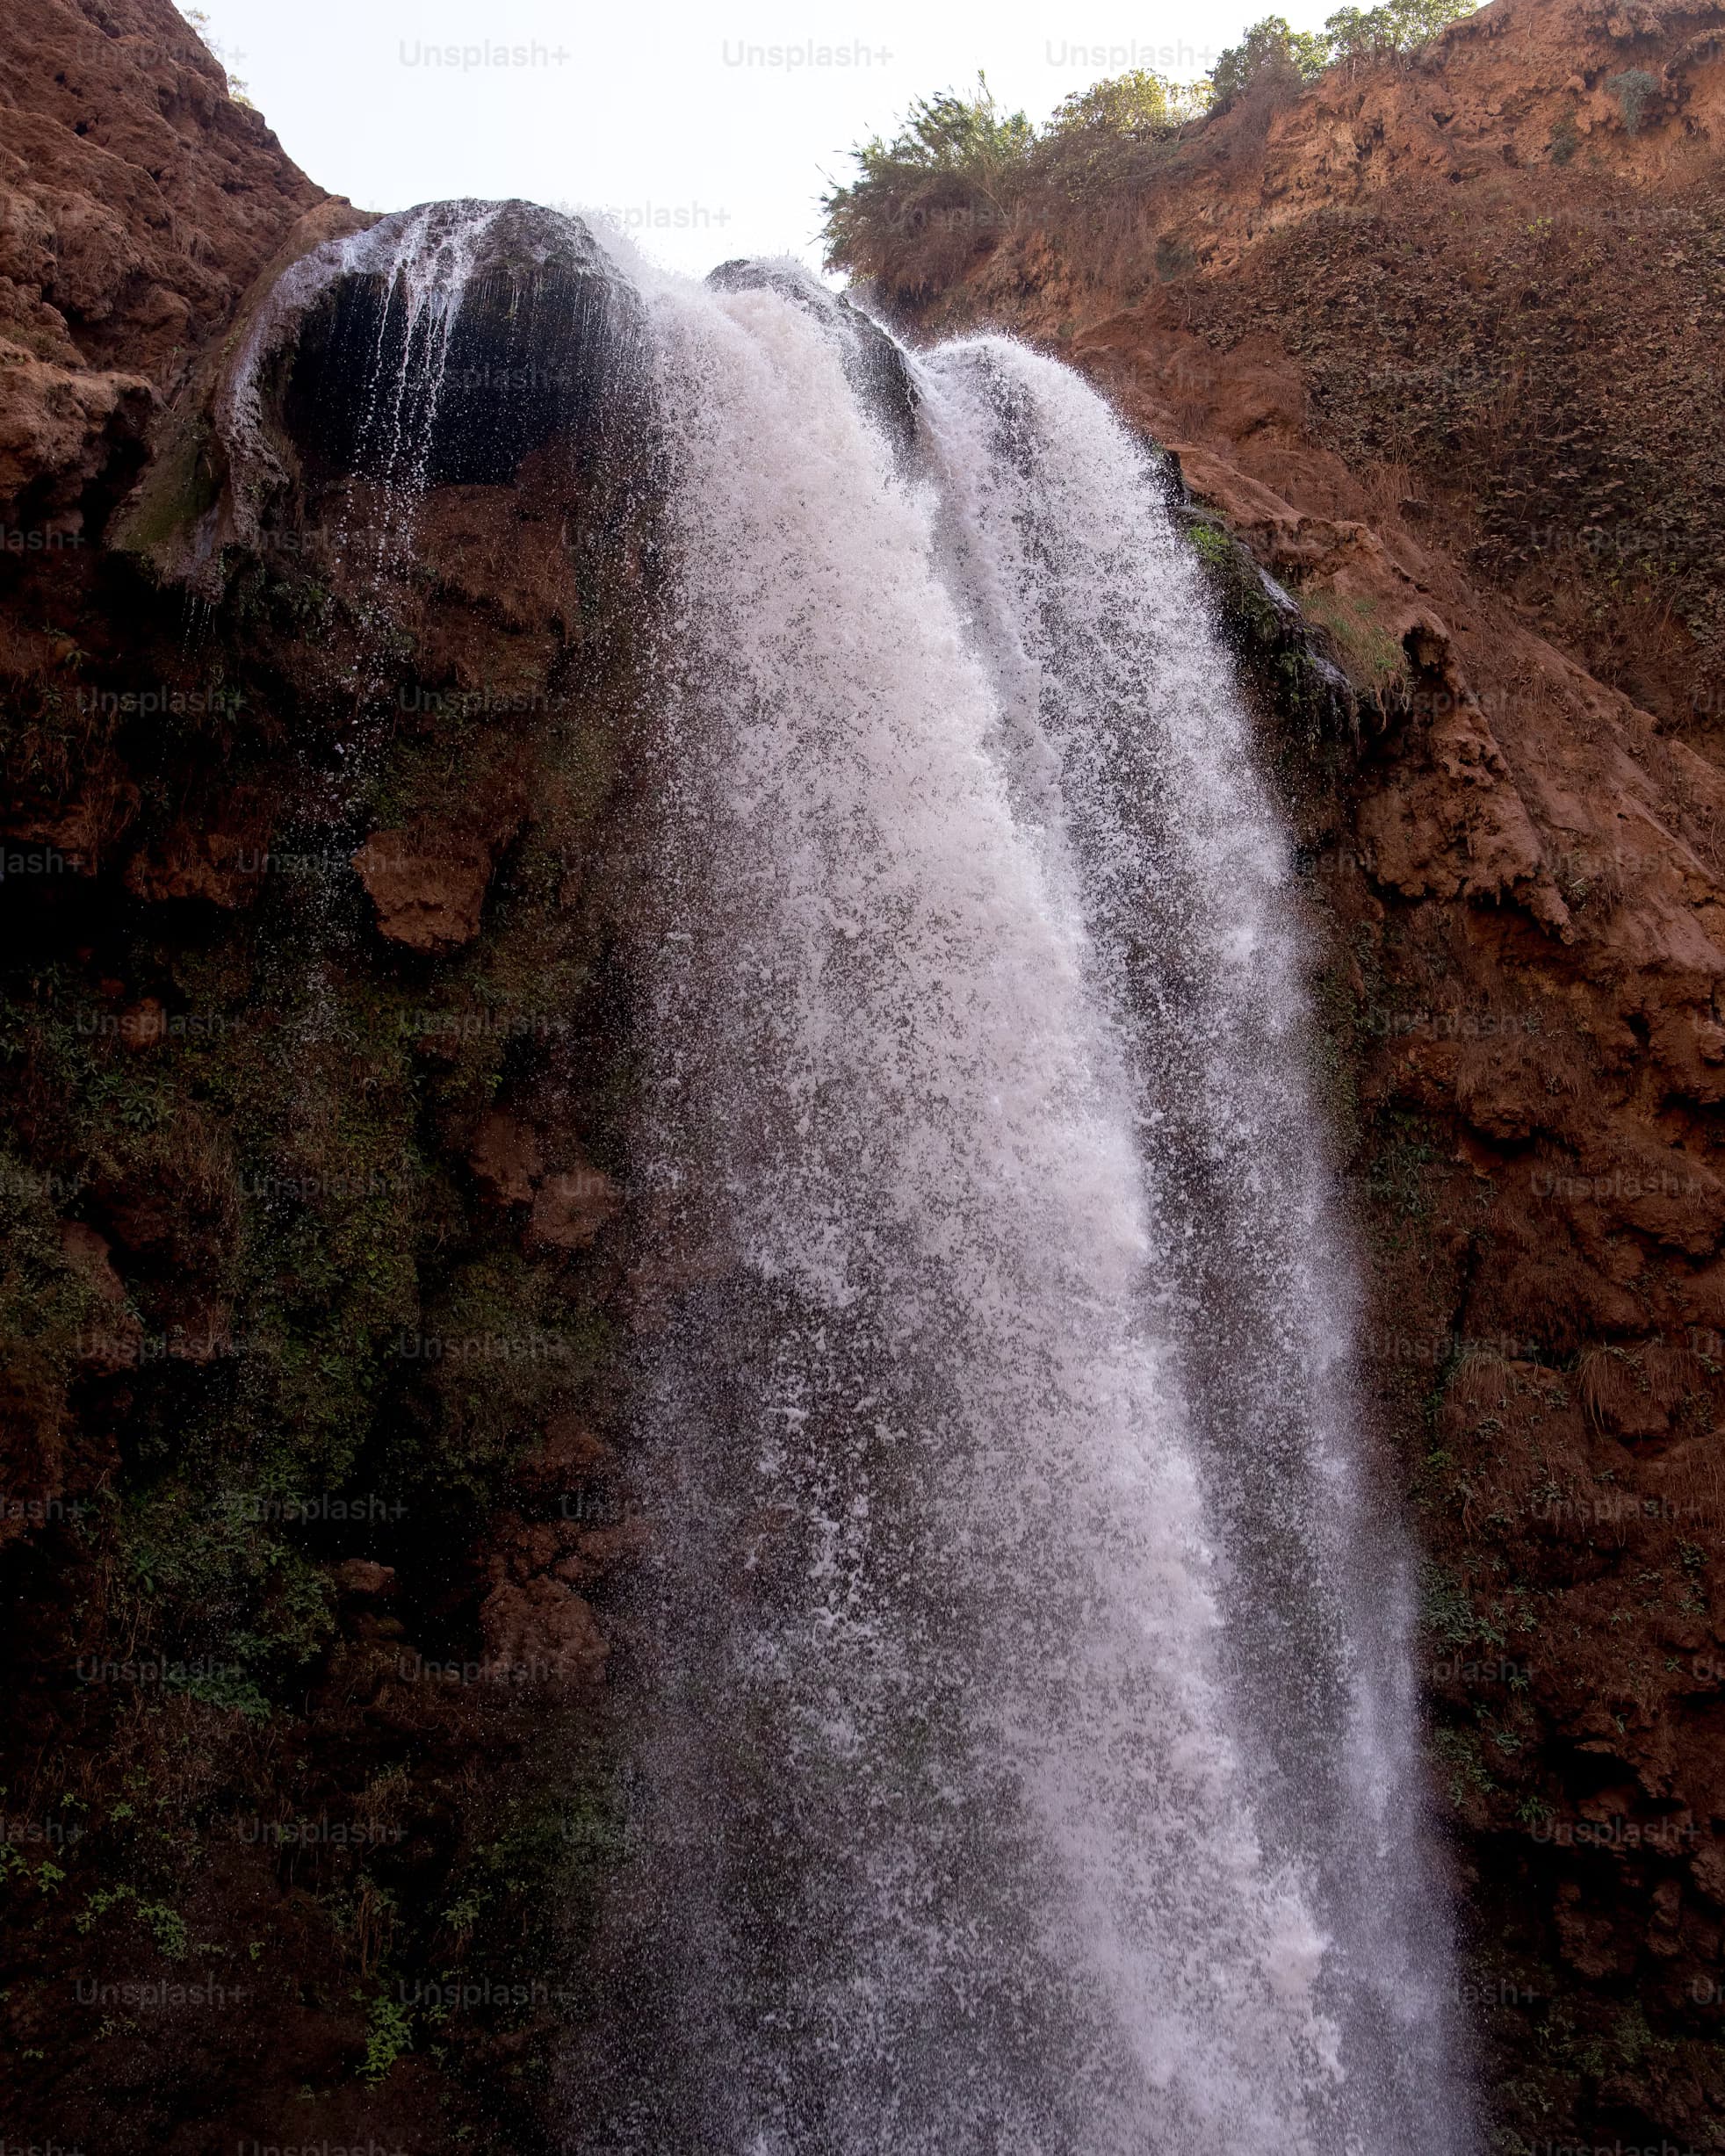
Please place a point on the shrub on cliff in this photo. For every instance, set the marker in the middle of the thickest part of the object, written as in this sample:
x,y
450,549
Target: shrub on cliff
x,y
1104,141
913,216
951,180
926,203
1270,48
1141,104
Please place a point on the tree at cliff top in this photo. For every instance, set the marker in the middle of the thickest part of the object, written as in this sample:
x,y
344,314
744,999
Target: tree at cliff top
x,y
1351,33
954,170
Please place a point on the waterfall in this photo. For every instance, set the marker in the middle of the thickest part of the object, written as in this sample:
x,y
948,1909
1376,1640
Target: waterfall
x,y
423,260
1024,1742
1027,1757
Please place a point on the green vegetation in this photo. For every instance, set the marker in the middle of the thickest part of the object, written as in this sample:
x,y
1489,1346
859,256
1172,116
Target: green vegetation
x,y
389,2035
954,170
1632,90
1270,48
1374,659
928,199
958,170
947,134
1301,698
1466,1771
259,1318
164,1925
1396,1178
1448,1615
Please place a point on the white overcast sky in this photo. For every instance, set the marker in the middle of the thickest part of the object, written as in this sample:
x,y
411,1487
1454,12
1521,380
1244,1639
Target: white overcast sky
x,y
677,117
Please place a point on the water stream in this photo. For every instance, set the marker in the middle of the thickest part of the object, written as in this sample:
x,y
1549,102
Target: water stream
x,y
1030,1764
1026,1757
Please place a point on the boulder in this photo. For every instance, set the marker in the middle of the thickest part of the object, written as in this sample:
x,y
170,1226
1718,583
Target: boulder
x,y
543,1633
428,890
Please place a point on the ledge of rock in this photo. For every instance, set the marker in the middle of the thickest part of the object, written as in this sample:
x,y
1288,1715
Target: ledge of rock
x,y
429,890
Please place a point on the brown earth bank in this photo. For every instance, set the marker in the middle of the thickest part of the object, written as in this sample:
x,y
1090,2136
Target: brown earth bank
x,y
1436,340
318,1051
1487,276
138,199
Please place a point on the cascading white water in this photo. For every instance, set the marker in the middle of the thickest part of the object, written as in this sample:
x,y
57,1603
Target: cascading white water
x,y
1028,1756
1024,1752
1108,665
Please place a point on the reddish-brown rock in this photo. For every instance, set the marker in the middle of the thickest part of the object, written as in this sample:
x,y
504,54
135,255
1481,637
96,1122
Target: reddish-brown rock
x,y
542,1634
137,202
1518,890
505,1155
89,1255
219,855
111,1340
367,1580
428,889
570,1455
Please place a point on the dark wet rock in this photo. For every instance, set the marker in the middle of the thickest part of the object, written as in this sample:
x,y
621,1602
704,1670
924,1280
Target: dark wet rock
x,y
499,329
543,343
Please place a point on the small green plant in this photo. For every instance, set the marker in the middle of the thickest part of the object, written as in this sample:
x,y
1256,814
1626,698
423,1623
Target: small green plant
x,y
1211,544
45,1877
98,1905
389,2035
1459,1751
460,1918
1373,657
165,1925
1448,1614
1632,90
1633,2039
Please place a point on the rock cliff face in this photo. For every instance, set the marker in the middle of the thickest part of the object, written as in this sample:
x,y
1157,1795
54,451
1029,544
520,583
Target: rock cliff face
x,y
1488,277
316,1057
318,1048
137,201
1437,341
